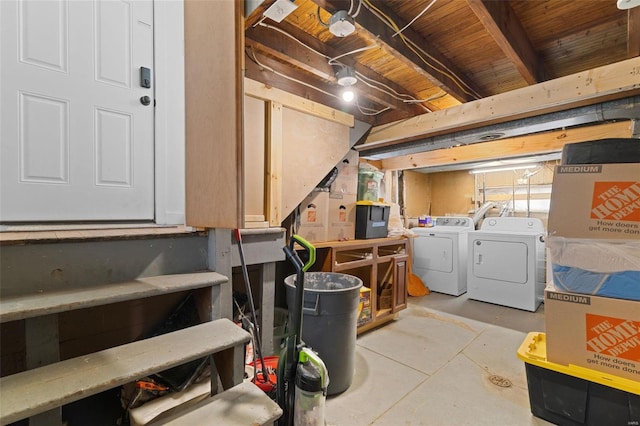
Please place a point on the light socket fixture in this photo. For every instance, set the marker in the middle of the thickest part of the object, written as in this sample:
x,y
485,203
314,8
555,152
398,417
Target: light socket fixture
x,y
280,10
341,24
627,4
346,76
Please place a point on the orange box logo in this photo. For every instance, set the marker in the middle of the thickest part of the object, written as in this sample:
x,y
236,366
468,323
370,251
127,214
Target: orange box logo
x,y
311,213
615,337
616,201
342,214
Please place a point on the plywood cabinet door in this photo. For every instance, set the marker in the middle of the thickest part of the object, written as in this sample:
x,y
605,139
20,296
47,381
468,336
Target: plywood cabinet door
x,y
399,283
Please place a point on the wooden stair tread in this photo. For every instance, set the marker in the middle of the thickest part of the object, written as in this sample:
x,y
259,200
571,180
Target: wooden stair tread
x,y
20,307
34,391
242,405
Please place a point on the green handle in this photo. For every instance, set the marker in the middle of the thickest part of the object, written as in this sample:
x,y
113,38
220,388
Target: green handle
x,y
309,248
307,354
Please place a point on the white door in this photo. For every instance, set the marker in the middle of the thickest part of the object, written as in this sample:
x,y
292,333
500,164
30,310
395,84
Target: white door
x,y
76,141
434,253
500,260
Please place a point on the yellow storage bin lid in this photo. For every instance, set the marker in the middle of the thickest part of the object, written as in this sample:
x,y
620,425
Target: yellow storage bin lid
x,y
533,350
371,203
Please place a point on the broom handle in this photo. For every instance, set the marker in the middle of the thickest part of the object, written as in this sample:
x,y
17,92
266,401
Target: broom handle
x,y
247,283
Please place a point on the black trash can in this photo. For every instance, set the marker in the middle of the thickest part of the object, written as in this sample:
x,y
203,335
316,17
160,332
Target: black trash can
x,y
329,322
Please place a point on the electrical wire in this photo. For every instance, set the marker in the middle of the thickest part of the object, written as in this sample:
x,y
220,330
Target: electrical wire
x,y
357,10
271,27
324,24
461,84
334,61
391,92
429,99
373,112
414,19
366,80
350,7
362,49
399,97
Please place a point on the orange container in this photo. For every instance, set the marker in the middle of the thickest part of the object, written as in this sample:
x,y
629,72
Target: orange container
x,y
266,383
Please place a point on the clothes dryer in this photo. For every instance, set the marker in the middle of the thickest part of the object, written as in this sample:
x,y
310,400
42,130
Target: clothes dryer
x,y
506,262
440,254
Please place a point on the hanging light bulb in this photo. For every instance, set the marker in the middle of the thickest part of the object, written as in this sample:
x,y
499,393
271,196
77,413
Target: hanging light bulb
x,y
348,95
346,78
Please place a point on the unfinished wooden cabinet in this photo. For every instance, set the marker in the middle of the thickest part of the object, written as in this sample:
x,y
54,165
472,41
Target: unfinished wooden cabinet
x,y
400,264
380,263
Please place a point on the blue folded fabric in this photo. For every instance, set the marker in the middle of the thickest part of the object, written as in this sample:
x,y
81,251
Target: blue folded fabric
x,y
620,285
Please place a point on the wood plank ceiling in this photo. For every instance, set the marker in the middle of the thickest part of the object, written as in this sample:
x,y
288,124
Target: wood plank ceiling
x,y
412,57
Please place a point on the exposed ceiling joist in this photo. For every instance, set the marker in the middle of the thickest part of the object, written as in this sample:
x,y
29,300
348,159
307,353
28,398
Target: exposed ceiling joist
x,y
494,47
280,42
410,48
633,32
505,28
266,70
274,41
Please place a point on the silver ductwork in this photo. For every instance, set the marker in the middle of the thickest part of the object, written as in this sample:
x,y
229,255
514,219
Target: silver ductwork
x,y
621,109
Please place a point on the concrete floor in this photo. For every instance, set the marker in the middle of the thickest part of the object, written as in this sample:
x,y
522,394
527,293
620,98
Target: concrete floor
x,y
432,365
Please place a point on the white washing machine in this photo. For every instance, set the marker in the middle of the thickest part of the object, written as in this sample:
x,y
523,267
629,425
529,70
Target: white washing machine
x,y
506,262
440,254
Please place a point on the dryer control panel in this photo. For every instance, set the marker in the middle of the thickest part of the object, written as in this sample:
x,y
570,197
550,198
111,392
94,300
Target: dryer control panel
x,y
465,222
514,224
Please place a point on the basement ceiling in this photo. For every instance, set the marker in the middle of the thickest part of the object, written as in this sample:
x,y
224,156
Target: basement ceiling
x,y
413,57
454,51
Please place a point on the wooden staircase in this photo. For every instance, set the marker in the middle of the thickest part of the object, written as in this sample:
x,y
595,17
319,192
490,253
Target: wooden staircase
x,y
39,392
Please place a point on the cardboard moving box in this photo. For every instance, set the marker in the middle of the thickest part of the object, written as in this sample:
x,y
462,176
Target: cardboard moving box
x,y
314,217
596,201
341,217
594,230
364,306
594,332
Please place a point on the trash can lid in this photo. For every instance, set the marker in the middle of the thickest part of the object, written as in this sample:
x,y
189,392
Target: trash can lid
x,y
326,282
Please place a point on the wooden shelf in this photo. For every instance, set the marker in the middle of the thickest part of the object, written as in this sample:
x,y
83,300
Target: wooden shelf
x,y
340,267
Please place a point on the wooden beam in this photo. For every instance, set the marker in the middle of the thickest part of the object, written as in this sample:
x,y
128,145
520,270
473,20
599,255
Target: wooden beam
x,y
273,178
633,32
256,15
269,39
269,74
261,91
402,47
213,121
505,28
273,42
539,143
614,81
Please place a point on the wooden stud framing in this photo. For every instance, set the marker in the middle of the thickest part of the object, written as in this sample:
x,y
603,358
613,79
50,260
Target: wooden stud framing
x,y
274,163
261,91
213,95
